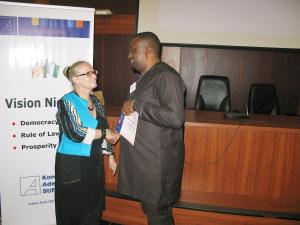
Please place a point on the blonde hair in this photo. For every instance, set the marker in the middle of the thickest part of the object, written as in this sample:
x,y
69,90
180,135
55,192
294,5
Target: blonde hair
x,y
70,71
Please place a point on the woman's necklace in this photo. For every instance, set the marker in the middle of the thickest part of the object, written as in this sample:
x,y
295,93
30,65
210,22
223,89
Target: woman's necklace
x,y
92,108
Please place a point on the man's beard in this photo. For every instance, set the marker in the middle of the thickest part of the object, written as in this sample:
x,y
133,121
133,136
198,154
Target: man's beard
x,y
135,70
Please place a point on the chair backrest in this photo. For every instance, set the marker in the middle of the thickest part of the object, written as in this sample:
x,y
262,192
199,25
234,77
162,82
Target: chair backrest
x,y
213,94
263,99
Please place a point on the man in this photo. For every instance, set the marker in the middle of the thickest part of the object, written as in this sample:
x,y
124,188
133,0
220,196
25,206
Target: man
x,y
151,169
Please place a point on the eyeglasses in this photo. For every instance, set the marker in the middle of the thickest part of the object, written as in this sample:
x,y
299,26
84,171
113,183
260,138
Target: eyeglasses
x,y
89,73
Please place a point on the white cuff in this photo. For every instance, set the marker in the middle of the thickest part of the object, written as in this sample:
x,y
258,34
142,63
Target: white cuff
x,y
89,136
104,144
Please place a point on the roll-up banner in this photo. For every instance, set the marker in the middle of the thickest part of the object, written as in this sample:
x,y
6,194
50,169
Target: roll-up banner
x,y
37,42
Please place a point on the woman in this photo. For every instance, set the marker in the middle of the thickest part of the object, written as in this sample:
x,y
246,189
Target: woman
x,y
79,179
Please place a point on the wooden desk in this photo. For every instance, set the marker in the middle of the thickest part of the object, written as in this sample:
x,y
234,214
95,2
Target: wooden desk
x,y
247,167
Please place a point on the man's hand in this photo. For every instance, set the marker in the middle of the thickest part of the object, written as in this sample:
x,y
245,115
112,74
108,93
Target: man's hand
x,y
127,108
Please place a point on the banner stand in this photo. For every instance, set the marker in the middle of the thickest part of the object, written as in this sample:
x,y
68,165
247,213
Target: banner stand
x,y
37,42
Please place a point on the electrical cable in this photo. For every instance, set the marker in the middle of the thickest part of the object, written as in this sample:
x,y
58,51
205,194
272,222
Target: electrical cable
x,y
226,149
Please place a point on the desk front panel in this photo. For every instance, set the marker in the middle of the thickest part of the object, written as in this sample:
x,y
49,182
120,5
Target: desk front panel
x,y
242,159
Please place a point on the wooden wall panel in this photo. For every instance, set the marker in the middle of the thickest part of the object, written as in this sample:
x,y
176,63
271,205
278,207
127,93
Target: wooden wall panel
x,y
171,56
115,24
111,41
244,67
191,67
110,57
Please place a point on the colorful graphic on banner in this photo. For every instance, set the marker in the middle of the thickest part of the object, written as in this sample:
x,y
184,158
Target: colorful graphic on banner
x,y
44,70
31,26
33,53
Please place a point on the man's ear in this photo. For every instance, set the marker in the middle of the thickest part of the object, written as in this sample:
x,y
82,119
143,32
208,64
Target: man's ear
x,y
148,50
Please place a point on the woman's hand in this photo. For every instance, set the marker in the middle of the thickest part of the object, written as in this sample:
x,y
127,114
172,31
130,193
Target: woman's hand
x,y
112,164
111,137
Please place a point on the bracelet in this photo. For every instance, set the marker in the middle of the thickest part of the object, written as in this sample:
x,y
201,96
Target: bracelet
x,y
103,131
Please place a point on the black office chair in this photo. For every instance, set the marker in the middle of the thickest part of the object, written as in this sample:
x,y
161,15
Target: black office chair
x,y
213,94
263,99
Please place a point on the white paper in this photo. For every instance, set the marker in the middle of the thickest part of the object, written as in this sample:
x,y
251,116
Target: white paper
x,y
129,126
